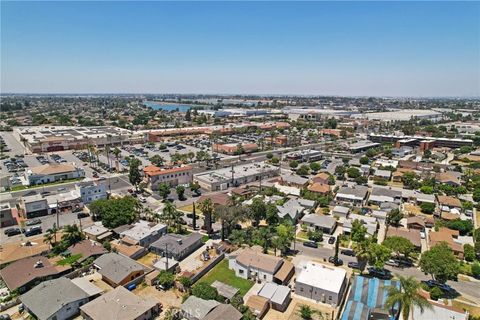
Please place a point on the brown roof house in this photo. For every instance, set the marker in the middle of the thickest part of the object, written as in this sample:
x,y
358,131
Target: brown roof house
x,y
450,177
411,234
322,178
319,188
118,270
23,274
88,249
120,304
251,264
448,236
447,203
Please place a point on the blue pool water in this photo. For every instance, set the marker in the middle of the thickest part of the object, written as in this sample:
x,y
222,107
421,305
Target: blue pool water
x,y
167,106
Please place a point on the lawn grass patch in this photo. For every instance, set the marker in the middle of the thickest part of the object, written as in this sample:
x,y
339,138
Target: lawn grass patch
x,y
221,273
69,260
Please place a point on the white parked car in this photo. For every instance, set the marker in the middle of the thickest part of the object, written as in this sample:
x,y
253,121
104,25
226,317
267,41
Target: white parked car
x,y
422,234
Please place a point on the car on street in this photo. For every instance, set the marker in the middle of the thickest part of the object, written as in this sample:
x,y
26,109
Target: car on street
x,y
310,244
392,263
379,273
33,231
12,232
142,199
348,252
336,262
354,265
82,215
33,222
433,283
331,240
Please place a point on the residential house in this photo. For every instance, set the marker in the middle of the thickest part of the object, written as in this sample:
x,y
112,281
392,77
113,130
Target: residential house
x,y
323,189
195,308
144,233
23,274
382,174
294,208
448,203
321,283
224,311
118,270
97,232
154,176
279,296
250,264
55,299
384,195
259,306
293,180
449,177
370,223
352,195
410,234
326,224
120,303
367,300
177,246
87,249
448,236
416,222
438,311
322,178
340,211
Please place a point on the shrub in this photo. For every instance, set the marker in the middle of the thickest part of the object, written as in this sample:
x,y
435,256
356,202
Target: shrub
x,y
436,293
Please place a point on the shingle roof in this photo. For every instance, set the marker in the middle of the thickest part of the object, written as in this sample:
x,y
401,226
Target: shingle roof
x,y
224,311
87,249
116,267
118,304
48,169
176,243
250,258
49,297
198,307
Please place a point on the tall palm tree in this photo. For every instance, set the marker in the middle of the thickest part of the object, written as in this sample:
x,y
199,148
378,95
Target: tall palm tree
x,y
171,216
207,208
50,236
407,296
72,234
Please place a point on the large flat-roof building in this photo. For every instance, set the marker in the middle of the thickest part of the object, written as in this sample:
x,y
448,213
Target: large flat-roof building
x,y
422,142
52,173
171,176
225,178
57,138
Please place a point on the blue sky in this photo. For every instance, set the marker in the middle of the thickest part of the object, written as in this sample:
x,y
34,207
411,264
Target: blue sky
x,y
331,48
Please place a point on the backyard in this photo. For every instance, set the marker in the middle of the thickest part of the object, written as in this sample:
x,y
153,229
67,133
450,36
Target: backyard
x,y
221,273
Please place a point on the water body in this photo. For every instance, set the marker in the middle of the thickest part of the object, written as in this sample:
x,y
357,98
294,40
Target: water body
x,y
167,106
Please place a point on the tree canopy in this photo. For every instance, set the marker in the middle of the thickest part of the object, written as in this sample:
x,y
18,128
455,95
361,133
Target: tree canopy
x,y
115,212
440,262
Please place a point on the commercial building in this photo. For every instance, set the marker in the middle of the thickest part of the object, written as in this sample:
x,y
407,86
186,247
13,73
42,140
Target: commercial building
x,y
403,115
172,176
52,173
321,283
7,217
225,178
57,138
362,146
91,191
235,148
422,142
34,206
305,155
316,114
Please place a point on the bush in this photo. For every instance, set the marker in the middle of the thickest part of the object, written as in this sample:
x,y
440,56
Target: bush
x,y
205,291
468,252
436,293
476,270
427,208
165,279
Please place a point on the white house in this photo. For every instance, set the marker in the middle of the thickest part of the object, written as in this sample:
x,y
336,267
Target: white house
x,y
91,191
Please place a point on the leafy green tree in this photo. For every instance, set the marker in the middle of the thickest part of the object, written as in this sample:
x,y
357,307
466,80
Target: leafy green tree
x,y
166,279
340,172
180,192
258,210
427,208
315,166
353,172
399,245
427,189
364,160
440,262
50,236
115,212
394,217
305,312
436,293
186,282
204,291
476,270
107,245
269,156
164,190
315,235
157,160
407,296
359,231
464,227
275,160
410,180
286,234
303,170
293,164
194,187
468,252
379,255
134,173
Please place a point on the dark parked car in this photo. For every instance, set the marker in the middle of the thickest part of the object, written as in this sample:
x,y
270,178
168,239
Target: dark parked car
x,y
12,231
442,286
310,244
354,265
82,215
331,240
348,252
336,262
379,273
33,231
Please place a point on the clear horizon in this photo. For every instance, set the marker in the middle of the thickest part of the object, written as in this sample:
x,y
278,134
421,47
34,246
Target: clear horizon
x,y
351,49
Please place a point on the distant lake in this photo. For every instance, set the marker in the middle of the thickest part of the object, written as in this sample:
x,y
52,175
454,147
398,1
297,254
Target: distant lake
x,y
167,106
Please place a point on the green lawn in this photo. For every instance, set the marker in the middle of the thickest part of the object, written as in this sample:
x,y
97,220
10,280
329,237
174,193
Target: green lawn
x,y
221,273
69,260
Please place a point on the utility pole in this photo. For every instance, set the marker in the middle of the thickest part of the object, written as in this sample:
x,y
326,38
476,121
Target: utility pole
x,y
166,256
58,221
194,218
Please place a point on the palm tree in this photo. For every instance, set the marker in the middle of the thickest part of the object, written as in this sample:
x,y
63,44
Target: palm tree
x,y
171,216
50,236
363,254
207,209
72,234
90,152
407,296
